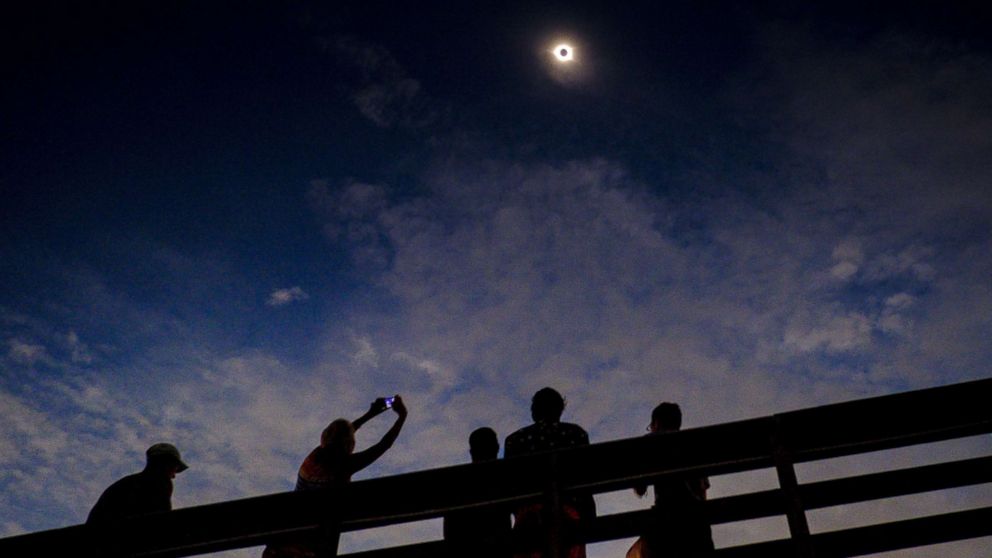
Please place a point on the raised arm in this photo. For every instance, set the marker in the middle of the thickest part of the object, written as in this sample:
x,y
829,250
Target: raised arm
x,y
377,407
365,458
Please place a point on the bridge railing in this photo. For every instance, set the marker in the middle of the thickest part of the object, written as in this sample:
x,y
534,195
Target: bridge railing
x,y
778,441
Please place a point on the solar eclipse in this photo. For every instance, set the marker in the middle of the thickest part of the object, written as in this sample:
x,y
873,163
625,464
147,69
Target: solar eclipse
x,y
564,53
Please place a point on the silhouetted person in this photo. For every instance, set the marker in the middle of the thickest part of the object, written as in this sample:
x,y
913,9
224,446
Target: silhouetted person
x,y
331,465
482,532
549,433
145,492
681,528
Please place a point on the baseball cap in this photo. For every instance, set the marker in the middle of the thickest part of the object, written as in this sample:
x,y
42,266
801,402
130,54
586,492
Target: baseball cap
x,y
160,450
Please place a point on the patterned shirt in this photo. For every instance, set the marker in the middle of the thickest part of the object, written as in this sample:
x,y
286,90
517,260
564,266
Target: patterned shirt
x,y
323,469
544,436
548,436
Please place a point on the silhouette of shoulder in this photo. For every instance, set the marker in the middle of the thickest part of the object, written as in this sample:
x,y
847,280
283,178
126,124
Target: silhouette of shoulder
x,y
323,469
135,494
545,436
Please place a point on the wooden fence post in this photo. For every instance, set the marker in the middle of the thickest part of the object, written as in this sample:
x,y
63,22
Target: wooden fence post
x,y
789,485
553,510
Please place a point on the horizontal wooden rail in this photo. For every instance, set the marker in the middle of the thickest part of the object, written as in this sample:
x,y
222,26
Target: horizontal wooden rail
x,y
890,421
844,543
847,428
884,537
862,488
768,503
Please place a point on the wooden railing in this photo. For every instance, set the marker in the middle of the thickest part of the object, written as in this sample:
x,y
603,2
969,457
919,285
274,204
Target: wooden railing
x,y
779,441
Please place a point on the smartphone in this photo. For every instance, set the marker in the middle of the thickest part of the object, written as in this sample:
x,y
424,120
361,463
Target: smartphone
x,y
389,402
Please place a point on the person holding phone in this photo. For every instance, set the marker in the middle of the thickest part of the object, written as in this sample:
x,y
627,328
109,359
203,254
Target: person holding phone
x,y
331,464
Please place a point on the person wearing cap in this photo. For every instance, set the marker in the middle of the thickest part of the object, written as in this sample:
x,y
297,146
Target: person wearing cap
x,y
145,492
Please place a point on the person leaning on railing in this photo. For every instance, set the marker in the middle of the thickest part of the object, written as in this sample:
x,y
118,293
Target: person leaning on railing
x,y
148,491
481,532
549,433
145,492
331,464
680,527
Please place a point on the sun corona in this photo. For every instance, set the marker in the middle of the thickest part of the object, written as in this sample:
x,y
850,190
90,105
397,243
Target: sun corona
x,y
564,52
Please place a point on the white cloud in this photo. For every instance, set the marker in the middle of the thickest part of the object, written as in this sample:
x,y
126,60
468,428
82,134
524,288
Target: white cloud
x,y
440,377
59,460
893,318
29,429
849,258
509,277
844,270
899,301
26,353
570,270
351,212
80,352
365,354
910,262
503,279
282,297
837,335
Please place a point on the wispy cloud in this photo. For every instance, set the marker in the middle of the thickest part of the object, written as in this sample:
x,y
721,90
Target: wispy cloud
x,y
79,351
282,297
365,354
23,352
350,213
516,276
382,91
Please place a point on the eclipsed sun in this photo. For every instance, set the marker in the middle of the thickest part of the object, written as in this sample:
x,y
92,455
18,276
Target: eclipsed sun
x,y
564,53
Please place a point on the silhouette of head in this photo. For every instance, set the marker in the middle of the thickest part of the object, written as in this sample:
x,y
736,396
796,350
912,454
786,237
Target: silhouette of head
x,y
165,459
547,405
339,436
666,417
483,445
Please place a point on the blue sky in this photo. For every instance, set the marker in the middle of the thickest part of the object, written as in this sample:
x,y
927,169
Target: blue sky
x,y
226,226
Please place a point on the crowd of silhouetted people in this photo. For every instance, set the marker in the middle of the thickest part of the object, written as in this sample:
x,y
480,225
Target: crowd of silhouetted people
x,y
679,524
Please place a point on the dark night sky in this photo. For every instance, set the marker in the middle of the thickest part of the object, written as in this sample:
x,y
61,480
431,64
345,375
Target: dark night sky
x,y
227,224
